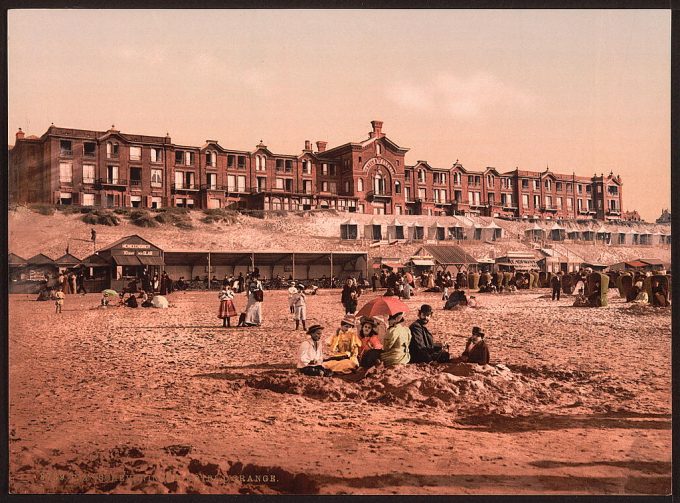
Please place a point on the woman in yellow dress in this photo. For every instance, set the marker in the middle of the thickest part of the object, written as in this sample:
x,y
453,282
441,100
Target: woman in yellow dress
x,y
344,348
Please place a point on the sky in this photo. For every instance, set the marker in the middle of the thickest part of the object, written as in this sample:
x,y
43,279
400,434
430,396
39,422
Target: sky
x,y
572,90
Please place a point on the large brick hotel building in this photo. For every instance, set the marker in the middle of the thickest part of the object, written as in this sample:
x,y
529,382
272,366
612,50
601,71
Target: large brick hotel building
x,y
114,169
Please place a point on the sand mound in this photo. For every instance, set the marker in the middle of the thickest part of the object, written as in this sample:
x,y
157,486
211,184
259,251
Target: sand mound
x,y
460,390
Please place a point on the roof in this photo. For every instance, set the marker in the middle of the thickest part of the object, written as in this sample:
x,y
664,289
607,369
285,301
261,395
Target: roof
x,y
200,257
14,259
67,259
651,261
127,238
518,263
351,221
40,259
447,254
422,261
94,260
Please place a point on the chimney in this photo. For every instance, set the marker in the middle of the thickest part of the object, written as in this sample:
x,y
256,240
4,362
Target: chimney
x,y
308,145
377,129
20,134
321,145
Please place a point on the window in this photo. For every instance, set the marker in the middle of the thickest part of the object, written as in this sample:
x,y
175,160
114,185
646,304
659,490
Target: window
x,y
212,181
136,201
588,189
65,198
278,183
506,200
231,183
307,167
179,157
613,190
307,186
378,184
378,149
421,176
397,187
135,153
231,161
580,188
525,200
211,158
66,172
135,177
458,196
422,193
156,202
241,183
478,180
471,198
179,179
525,183
492,199
279,165
537,201
88,173
346,187
88,199
456,178
490,179
548,202
324,186
65,147
156,154
558,186
156,178
261,183
568,187
558,203
407,175
111,149
548,185
360,185
331,168
407,193
579,204
439,178
289,166
333,188
612,204
570,203
536,184
599,204
188,158
324,169
89,149
112,174
241,160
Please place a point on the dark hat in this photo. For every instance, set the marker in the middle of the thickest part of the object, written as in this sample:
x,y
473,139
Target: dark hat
x,y
477,331
396,317
314,328
425,309
369,320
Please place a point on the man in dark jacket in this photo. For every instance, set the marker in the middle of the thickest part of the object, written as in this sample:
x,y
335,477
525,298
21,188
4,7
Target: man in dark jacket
x,y
476,350
422,348
556,283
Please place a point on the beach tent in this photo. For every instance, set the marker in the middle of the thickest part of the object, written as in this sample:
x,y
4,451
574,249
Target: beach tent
x,y
495,231
535,232
373,231
416,231
445,256
456,231
557,232
437,232
395,231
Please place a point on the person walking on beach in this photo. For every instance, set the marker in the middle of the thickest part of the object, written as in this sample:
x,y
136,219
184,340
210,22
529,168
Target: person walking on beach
x,y
556,283
349,297
241,286
227,308
255,298
59,302
300,307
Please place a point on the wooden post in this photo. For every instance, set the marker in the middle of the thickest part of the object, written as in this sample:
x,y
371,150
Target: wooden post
x,y
293,266
209,278
331,264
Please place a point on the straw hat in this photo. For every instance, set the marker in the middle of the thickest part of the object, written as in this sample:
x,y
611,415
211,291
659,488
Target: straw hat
x,y
348,320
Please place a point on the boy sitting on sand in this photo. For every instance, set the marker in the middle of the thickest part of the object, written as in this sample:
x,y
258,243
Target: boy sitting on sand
x,y
310,356
476,350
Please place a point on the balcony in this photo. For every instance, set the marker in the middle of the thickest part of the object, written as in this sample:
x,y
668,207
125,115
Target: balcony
x,y
373,195
135,185
213,188
549,208
439,202
111,183
112,155
88,181
65,153
185,187
613,211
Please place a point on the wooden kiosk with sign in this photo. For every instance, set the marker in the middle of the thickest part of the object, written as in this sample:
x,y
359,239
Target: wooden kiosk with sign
x,y
129,258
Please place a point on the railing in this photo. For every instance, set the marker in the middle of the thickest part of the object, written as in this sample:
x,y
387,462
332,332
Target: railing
x,y
135,157
135,184
118,182
210,186
65,153
88,181
112,155
188,186
378,194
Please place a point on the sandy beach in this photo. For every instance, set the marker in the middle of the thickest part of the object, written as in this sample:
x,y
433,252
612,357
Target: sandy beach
x,y
119,400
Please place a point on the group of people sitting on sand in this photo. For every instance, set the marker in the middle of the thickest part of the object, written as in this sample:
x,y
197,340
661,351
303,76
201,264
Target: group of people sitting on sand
x,y
357,345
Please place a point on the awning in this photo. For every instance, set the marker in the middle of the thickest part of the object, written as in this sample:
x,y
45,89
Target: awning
x,y
520,264
126,260
150,260
393,265
636,263
422,262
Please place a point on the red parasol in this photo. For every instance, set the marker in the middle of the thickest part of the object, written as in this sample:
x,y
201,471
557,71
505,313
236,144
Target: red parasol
x,y
383,306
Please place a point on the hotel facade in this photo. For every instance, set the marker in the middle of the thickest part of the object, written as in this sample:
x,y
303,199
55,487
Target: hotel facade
x,y
113,169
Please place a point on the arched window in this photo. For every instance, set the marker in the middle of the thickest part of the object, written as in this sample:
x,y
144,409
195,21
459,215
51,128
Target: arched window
x,y
378,183
397,187
360,185
378,149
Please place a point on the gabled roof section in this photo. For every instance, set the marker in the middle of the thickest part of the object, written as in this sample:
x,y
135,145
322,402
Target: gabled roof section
x,y
447,254
491,169
212,144
14,259
134,238
40,259
67,259
458,167
389,143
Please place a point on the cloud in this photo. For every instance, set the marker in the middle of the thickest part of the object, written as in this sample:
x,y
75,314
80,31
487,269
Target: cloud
x,y
462,97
